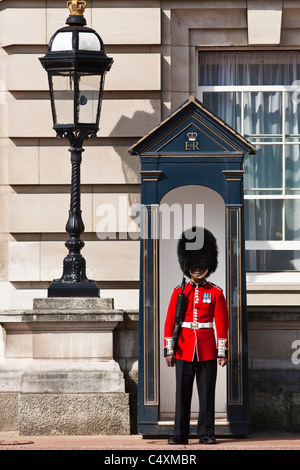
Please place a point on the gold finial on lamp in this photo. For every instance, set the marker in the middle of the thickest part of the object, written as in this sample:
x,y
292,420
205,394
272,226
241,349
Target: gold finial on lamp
x,y
76,7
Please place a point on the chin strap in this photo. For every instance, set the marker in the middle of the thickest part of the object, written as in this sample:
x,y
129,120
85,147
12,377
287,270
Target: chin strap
x,y
202,276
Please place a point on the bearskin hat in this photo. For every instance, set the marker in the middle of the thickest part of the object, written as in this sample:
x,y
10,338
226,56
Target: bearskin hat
x,y
206,257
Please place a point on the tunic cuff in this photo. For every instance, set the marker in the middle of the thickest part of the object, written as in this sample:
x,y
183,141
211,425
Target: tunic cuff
x,y
222,351
169,348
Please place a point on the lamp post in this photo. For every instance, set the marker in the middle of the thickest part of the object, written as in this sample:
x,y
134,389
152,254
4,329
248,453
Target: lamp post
x,y
76,64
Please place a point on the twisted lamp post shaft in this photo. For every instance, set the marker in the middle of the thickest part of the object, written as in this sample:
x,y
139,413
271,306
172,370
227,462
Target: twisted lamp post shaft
x,y
74,265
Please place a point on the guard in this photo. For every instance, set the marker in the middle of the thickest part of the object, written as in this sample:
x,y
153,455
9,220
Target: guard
x,y
190,342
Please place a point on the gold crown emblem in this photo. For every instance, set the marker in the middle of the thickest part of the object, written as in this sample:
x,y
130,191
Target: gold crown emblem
x,y
192,135
76,7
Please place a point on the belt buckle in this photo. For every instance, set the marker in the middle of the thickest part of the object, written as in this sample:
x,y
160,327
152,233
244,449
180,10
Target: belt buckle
x,y
194,325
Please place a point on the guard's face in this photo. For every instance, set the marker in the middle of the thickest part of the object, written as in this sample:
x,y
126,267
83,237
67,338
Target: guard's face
x,y
198,274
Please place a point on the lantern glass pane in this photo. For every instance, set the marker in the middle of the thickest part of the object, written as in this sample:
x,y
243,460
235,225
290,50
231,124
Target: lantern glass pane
x,y
62,42
88,98
88,42
63,94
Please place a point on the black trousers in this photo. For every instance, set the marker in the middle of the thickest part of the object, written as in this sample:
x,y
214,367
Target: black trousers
x,y
206,374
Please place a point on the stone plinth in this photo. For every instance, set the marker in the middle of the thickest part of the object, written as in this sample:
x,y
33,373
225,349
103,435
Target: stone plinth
x,y
57,359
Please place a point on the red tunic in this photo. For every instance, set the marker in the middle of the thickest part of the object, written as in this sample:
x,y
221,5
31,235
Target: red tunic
x,y
206,303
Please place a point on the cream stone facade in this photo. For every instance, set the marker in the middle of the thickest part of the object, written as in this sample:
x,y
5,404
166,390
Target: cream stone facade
x,y
155,46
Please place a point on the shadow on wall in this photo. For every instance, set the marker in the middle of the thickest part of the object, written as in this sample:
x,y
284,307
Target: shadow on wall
x,y
129,129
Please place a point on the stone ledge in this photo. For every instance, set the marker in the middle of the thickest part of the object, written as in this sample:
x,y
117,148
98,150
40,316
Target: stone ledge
x,y
30,318
68,310
73,382
65,310
273,287
73,303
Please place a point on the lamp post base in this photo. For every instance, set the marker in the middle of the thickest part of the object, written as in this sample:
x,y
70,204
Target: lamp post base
x,y
73,289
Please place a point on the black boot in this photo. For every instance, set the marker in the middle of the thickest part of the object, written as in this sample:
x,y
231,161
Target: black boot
x,y
208,439
178,440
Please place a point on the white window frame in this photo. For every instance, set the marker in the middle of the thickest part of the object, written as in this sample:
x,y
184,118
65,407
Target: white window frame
x,y
266,244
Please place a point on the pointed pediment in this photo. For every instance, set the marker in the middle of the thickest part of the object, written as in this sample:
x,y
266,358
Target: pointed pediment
x,y
192,129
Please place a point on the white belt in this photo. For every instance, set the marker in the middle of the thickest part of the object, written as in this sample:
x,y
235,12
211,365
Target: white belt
x,y
196,325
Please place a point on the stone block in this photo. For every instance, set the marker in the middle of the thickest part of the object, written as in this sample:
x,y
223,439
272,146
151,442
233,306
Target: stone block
x,y
129,118
119,118
264,292
179,74
290,18
23,165
8,412
115,260
4,152
295,414
72,344
55,164
56,15
29,24
223,37
106,260
74,414
271,343
38,213
101,164
52,255
215,19
4,204
129,72
14,296
19,268
110,165
10,377
72,381
128,25
115,213
134,72
19,345
25,72
126,344
290,37
71,304
30,118
264,22
270,411
126,299
281,377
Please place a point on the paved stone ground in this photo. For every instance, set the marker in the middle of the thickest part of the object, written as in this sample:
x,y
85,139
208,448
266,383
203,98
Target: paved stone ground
x,y
109,444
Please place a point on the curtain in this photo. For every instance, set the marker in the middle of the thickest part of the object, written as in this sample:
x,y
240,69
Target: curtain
x,y
248,68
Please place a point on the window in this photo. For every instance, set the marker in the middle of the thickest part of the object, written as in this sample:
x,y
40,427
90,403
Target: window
x,y
256,93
